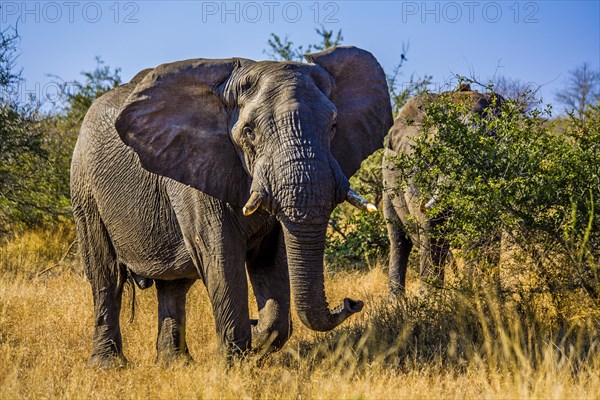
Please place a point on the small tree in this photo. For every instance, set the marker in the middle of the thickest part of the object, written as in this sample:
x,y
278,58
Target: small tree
x,y
21,143
582,89
285,50
36,149
78,96
514,89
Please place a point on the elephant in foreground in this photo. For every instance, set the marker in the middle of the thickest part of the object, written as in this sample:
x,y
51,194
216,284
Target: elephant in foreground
x,y
406,212
211,169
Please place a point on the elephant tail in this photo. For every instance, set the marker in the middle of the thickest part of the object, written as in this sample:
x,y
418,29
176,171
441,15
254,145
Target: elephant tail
x,y
135,280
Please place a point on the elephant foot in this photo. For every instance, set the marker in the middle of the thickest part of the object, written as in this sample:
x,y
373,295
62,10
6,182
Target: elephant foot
x,y
271,330
396,298
107,361
265,342
396,292
173,355
170,358
171,346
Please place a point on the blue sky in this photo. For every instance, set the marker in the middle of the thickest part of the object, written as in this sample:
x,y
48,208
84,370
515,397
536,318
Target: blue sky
x,y
534,41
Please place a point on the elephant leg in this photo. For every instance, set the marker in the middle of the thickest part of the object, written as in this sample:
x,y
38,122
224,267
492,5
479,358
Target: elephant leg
x,y
217,246
491,250
107,277
400,247
171,343
228,291
224,273
270,280
434,254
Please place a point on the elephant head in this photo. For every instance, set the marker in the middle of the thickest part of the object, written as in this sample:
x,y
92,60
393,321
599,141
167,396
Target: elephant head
x,y
284,136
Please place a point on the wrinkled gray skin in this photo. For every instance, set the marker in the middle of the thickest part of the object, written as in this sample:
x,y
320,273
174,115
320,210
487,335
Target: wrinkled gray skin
x,y
164,164
407,219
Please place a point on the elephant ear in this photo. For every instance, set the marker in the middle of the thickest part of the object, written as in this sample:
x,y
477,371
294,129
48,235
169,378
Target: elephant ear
x,y
364,112
177,124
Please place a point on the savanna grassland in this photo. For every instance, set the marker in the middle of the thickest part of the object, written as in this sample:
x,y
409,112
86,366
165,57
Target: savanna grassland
x,y
443,345
528,327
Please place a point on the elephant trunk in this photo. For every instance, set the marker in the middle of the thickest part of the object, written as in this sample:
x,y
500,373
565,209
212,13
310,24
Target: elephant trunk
x,y
302,188
305,246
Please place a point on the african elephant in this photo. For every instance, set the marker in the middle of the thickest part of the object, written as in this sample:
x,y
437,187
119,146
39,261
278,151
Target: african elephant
x,y
406,211
208,169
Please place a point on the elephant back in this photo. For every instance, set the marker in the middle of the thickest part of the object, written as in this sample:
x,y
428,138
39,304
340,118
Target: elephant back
x,y
409,121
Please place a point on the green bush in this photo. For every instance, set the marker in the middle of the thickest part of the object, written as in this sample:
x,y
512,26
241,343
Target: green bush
x,y
22,150
356,238
519,173
36,148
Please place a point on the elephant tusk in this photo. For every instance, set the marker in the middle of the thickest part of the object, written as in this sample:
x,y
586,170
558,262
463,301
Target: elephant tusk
x,y
359,202
431,203
252,204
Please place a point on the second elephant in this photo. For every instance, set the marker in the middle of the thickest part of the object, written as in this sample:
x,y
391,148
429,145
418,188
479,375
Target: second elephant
x,y
406,211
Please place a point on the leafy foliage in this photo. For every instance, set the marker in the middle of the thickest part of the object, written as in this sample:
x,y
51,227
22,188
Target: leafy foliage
x,y
21,154
355,239
21,145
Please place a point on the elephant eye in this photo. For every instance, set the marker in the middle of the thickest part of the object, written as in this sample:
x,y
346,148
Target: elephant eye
x,y
248,132
244,87
333,129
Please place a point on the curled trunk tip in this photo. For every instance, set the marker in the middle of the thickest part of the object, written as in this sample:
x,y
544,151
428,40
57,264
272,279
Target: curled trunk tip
x,y
305,249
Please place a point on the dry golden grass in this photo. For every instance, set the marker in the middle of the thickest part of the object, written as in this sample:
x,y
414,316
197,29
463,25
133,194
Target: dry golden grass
x,y
385,352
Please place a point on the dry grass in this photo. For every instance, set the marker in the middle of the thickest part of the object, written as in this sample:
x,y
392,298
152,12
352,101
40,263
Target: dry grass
x,y
442,347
